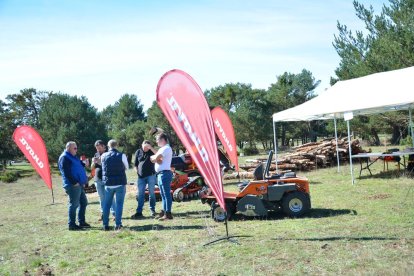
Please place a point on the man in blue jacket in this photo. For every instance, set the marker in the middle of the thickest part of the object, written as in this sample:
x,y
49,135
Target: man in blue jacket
x,y
74,179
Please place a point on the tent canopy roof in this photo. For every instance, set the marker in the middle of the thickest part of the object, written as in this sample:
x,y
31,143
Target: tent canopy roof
x,y
376,93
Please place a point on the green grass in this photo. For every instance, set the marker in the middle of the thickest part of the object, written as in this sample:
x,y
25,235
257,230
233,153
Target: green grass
x,y
366,228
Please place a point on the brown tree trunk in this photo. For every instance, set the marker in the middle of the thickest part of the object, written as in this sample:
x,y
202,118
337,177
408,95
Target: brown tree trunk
x,y
396,135
375,137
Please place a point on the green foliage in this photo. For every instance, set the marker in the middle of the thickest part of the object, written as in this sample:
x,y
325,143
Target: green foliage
x,y
408,141
387,43
227,96
248,151
25,106
157,119
125,119
251,109
291,90
8,149
66,118
9,176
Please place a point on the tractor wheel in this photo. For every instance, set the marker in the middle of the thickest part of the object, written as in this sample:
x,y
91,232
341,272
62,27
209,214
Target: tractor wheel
x,y
178,195
219,215
295,204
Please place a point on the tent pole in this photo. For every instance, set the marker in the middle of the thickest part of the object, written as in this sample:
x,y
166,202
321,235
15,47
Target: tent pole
x,y
411,126
336,141
350,152
275,145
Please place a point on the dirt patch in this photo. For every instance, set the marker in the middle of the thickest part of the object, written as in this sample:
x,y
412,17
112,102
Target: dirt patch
x,y
45,270
379,196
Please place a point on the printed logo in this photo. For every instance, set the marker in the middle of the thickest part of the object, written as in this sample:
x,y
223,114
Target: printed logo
x,y
31,152
223,134
188,128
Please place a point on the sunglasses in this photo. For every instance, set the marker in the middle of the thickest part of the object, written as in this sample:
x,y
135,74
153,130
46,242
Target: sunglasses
x,y
75,148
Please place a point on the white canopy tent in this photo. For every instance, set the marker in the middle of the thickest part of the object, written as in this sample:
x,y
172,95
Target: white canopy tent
x,y
376,93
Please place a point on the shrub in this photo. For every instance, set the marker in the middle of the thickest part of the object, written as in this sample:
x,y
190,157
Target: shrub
x,y
9,176
406,142
250,151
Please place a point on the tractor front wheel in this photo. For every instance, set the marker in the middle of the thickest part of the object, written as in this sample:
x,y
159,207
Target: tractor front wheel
x,y
218,213
295,204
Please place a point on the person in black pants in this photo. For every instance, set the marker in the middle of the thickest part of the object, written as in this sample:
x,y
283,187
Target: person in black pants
x,y
146,176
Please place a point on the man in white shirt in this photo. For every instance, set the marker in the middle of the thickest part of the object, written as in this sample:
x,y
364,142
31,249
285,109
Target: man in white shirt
x,y
162,160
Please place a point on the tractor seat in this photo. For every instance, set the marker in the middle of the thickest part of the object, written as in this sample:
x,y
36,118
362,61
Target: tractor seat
x,y
288,175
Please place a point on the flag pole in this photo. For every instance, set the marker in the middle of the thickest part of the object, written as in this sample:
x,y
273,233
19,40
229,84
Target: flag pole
x,y
227,237
53,197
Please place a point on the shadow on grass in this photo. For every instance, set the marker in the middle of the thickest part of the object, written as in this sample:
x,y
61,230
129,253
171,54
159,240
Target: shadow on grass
x,y
314,213
387,175
193,214
323,213
339,239
190,214
159,227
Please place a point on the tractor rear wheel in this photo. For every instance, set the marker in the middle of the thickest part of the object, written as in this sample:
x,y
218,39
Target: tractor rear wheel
x,y
295,204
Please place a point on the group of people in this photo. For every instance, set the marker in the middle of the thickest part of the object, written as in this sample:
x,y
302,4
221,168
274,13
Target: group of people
x,y
110,180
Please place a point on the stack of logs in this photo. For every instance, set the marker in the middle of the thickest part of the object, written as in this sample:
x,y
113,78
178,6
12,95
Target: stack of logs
x,y
308,156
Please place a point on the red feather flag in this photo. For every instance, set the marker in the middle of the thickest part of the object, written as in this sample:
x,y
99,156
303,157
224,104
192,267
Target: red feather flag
x,y
225,132
183,103
33,147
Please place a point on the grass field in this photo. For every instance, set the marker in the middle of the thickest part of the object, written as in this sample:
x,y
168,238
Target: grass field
x,y
366,228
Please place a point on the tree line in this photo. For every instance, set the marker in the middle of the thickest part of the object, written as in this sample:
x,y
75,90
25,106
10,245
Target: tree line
x,y
386,43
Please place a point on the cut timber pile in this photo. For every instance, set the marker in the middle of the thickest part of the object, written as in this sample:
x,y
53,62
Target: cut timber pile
x,y
310,156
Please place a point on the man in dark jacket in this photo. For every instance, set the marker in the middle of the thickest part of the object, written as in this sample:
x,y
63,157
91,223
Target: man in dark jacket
x,y
114,164
146,176
100,187
74,179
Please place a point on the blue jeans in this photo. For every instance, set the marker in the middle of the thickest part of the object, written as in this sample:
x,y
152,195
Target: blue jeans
x,y
164,183
100,187
77,198
141,185
119,194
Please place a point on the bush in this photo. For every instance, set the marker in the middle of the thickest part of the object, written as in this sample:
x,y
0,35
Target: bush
x,y
406,142
250,151
9,176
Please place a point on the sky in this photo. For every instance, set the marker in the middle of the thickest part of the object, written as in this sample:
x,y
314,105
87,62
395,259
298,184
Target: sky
x,y
103,49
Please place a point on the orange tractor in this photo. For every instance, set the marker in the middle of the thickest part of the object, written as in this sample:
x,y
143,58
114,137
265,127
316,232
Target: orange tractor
x,y
286,192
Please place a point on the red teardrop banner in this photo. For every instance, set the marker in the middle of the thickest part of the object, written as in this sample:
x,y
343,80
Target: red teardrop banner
x,y
183,103
225,132
33,147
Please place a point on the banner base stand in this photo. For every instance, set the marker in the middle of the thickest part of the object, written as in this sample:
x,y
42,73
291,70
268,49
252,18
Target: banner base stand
x,y
227,237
